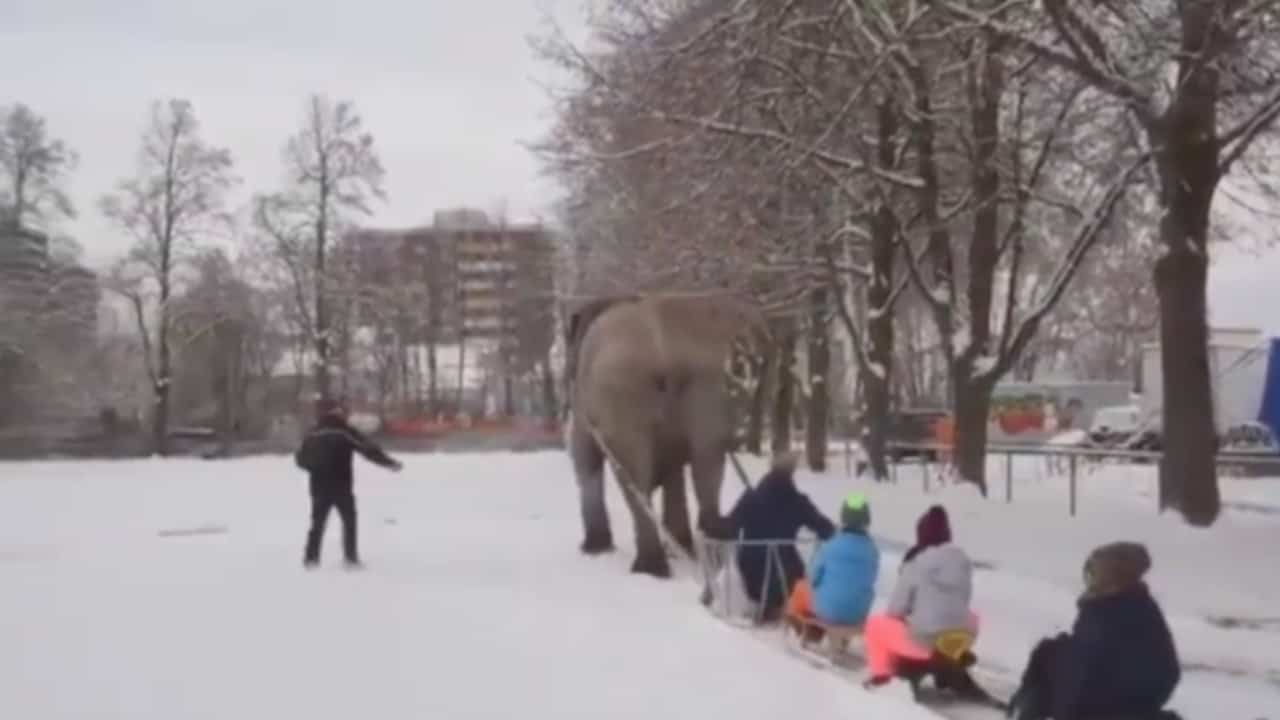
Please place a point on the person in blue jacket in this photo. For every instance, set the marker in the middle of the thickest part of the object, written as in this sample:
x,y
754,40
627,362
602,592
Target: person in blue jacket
x,y
844,571
841,584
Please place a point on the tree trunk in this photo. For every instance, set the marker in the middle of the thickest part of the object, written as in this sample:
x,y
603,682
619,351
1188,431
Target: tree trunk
x,y
973,394
877,393
972,410
759,401
160,418
164,358
1188,479
880,341
1188,473
550,403
433,388
226,395
784,392
819,401
323,389
1189,175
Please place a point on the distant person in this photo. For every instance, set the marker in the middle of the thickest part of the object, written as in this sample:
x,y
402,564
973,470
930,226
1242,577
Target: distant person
x,y
773,510
326,454
932,596
1119,659
842,583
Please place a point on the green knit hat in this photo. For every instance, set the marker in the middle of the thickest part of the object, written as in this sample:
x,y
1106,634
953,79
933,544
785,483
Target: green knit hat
x,y
855,513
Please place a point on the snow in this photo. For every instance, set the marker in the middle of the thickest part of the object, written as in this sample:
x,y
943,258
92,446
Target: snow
x,y
1069,438
876,369
983,365
476,603
172,588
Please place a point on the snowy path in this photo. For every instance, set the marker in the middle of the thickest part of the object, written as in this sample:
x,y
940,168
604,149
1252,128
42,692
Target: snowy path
x,y
476,604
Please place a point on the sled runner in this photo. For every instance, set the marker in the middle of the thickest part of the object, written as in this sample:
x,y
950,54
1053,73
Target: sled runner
x,y
805,630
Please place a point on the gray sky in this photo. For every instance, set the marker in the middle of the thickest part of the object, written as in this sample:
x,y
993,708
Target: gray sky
x,y
447,88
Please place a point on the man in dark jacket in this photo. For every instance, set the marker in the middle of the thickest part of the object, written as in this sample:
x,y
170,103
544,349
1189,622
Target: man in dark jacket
x,y
1118,661
773,510
326,454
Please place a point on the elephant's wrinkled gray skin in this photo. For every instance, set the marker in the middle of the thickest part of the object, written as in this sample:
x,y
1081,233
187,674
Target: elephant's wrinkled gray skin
x,y
647,374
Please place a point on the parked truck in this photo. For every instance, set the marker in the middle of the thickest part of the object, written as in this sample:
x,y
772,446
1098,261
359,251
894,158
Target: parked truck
x,y
1238,360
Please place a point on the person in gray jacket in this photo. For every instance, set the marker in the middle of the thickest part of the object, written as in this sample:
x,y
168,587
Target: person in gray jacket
x,y
932,595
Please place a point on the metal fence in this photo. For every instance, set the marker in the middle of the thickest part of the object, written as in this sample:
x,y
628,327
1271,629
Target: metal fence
x,y
717,560
1076,458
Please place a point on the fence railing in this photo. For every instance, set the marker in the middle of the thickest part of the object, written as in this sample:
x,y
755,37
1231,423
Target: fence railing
x,y
926,453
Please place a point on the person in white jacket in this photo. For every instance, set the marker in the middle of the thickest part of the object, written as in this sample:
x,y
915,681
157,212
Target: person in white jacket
x,y
932,596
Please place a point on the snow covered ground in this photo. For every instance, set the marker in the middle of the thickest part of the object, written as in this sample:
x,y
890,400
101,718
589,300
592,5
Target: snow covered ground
x,y
476,603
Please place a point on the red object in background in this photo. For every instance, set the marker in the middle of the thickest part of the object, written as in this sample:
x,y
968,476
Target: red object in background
x,y
426,427
1010,421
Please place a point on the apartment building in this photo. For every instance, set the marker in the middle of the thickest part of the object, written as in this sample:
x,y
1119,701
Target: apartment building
x,y
470,278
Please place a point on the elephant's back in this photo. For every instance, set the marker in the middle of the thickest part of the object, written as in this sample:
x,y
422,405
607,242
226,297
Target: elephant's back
x,y
676,335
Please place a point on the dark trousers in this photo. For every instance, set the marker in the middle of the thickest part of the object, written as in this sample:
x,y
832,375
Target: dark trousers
x,y
1035,697
1034,700
320,507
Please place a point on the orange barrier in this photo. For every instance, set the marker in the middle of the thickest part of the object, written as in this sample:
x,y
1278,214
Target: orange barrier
x,y
944,434
428,427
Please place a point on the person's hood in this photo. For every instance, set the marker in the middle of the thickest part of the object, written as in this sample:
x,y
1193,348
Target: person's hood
x,y
1115,568
933,527
945,567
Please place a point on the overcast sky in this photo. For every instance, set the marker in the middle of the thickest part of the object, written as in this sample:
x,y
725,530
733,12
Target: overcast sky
x,y
446,86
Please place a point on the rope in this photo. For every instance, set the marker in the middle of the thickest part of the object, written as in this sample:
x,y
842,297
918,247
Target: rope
x,y
772,556
629,487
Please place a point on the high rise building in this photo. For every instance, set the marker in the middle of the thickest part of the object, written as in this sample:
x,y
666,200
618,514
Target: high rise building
x,y
477,279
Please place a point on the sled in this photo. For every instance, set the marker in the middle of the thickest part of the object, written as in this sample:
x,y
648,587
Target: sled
x,y
835,638
948,664
191,531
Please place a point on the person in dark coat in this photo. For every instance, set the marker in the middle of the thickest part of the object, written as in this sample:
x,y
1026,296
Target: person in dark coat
x,y
326,454
773,510
1119,659
932,529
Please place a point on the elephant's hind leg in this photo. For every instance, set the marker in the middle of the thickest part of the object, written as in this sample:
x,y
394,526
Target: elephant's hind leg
x,y
634,454
588,466
675,508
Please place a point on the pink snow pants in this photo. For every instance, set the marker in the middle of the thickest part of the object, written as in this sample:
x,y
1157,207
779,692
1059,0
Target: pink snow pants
x,y
886,638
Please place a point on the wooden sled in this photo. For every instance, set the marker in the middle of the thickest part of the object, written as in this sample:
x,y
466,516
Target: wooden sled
x,y
806,630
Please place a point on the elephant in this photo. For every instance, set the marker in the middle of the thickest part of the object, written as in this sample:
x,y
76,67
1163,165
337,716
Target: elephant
x,y
645,377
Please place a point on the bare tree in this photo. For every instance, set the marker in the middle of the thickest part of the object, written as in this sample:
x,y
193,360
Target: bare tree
x,y
971,131
333,172
224,347
174,202
35,168
1200,80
